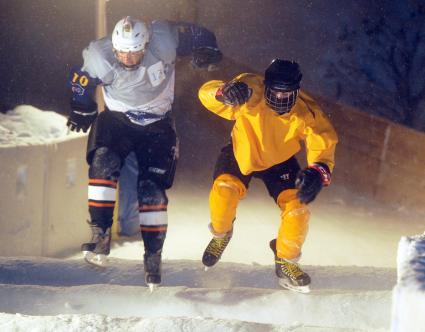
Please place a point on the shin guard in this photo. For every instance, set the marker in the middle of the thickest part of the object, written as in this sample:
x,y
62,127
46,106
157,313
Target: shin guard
x,y
103,178
152,215
294,225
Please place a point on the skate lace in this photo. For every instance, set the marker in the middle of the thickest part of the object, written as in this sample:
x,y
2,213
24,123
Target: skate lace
x,y
217,246
290,269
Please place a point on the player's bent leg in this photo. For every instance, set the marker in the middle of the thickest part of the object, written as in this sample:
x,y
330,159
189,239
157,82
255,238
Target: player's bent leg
x,y
225,194
103,174
294,225
287,247
153,225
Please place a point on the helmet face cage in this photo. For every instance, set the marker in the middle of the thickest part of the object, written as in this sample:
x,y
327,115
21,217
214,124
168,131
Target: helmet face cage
x,y
279,100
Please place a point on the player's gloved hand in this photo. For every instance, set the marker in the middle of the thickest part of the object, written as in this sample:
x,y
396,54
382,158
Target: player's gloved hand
x,y
234,93
81,116
311,180
204,57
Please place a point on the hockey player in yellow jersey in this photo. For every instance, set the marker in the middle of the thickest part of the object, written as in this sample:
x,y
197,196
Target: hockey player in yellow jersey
x,y
272,117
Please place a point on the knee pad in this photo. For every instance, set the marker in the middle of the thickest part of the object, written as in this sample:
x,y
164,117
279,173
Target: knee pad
x,y
291,206
152,194
227,185
105,164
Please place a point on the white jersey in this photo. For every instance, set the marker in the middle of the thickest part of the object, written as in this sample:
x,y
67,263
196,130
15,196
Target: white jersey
x,y
149,89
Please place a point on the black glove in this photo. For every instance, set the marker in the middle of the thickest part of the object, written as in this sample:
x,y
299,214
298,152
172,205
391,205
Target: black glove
x,y
311,180
234,93
203,57
81,116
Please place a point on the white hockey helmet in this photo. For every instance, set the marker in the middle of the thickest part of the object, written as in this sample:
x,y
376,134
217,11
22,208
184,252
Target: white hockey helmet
x,y
130,35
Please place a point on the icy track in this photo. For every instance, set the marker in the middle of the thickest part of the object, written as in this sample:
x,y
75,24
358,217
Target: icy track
x,y
347,234
229,297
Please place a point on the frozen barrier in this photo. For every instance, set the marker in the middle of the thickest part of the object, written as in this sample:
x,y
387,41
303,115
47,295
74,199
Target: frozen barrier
x,y
409,293
43,200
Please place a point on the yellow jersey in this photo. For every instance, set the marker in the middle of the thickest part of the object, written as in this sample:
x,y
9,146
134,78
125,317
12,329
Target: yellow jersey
x,y
262,138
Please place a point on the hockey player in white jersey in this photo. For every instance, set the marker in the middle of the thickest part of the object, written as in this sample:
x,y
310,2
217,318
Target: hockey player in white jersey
x,y
136,69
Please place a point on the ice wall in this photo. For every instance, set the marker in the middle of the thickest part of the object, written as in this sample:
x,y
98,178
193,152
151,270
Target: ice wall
x,y
43,201
409,293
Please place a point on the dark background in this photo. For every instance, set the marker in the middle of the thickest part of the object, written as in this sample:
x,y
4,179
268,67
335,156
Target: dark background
x,y
39,41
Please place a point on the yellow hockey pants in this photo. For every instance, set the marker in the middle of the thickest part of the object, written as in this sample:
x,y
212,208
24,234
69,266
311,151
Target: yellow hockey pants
x,y
225,194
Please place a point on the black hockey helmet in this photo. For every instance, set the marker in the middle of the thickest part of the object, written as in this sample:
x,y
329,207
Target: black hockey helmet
x,y
281,85
283,74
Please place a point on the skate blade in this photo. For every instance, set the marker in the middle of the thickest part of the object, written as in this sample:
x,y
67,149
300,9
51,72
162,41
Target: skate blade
x,y
206,268
95,259
152,287
298,289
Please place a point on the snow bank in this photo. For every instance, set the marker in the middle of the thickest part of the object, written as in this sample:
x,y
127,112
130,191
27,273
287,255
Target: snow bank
x,y
27,125
409,293
44,183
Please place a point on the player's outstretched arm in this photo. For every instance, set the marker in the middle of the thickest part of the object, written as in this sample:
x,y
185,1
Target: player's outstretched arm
x,y
198,42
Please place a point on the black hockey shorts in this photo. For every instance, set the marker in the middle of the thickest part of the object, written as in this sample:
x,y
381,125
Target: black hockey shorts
x,y
277,178
155,145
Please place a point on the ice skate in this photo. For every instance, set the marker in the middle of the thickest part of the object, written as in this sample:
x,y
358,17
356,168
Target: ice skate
x,y
152,265
214,250
290,274
96,251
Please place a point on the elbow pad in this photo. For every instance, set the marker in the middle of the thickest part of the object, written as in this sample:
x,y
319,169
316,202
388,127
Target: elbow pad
x,y
192,37
83,87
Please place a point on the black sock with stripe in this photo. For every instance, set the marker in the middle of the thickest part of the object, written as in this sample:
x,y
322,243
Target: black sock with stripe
x,y
153,240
